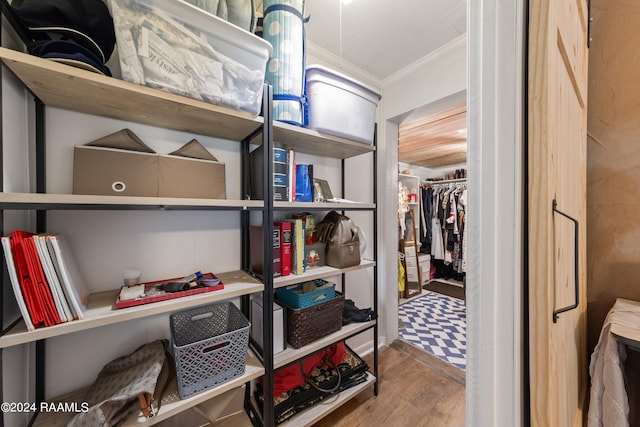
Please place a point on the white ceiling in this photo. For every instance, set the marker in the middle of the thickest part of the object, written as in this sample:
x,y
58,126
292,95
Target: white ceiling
x,y
384,36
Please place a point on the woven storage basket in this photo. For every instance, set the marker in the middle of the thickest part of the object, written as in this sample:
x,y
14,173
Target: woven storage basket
x,y
305,325
209,346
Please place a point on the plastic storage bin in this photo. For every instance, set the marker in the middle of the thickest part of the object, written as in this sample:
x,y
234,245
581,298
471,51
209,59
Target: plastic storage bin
x,y
209,346
340,105
177,47
293,296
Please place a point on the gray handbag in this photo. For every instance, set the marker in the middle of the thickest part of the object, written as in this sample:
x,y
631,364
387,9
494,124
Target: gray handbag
x,y
127,386
340,235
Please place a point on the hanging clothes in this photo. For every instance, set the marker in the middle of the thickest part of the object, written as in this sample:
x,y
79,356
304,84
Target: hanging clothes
x,y
401,273
426,215
437,247
463,221
444,209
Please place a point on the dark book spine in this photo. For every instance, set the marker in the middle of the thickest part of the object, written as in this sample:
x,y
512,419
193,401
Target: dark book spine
x,y
277,262
280,180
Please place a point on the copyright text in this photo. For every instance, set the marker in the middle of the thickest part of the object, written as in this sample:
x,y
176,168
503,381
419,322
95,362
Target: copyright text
x,y
74,407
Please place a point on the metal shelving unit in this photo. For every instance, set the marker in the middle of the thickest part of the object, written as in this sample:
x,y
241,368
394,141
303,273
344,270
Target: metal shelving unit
x,y
50,84
307,141
54,85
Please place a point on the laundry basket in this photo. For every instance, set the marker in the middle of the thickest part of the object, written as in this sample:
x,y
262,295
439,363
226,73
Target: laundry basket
x,y
209,346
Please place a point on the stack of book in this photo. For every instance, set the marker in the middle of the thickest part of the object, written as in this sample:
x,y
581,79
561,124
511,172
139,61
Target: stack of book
x,y
285,172
46,283
288,241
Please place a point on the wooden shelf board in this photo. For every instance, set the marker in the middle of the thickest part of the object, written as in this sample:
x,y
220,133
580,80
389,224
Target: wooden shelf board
x,y
319,273
402,176
320,410
626,331
171,403
106,96
101,309
323,206
82,202
309,141
292,354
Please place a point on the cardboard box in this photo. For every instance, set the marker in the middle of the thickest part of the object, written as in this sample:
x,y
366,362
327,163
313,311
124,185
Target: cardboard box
x,y
114,172
278,324
195,178
121,164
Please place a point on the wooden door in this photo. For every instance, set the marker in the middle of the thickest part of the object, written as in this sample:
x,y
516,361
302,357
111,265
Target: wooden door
x,y
557,114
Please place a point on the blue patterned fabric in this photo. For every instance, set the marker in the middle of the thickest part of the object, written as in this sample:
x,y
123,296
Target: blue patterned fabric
x,y
283,27
438,324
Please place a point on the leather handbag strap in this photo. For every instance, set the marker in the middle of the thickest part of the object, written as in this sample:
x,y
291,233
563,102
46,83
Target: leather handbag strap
x,y
145,399
328,362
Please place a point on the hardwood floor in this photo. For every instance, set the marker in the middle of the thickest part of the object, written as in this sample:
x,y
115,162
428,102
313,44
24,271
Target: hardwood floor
x,y
416,389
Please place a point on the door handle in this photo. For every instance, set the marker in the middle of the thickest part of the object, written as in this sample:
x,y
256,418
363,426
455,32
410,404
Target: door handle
x,y
554,206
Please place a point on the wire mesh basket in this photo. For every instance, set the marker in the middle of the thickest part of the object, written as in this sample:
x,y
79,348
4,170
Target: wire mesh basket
x,y
209,346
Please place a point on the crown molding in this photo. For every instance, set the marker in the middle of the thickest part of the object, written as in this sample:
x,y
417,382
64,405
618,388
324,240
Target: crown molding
x,y
339,64
411,68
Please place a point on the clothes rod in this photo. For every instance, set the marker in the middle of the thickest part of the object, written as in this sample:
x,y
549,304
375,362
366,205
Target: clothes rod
x,y
445,181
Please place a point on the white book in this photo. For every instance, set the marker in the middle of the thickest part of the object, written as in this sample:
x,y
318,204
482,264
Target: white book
x,y
72,282
59,298
15,283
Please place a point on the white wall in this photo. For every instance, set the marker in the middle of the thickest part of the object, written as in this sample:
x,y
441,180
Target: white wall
x,y
17,362
431,79
439,76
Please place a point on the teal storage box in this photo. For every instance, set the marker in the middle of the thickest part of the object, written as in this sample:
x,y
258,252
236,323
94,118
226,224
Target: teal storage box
x,y
307,293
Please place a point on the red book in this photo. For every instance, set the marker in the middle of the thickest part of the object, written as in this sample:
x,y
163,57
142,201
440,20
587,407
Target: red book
x,y
285,246
277,262
34,306
37,274
32,279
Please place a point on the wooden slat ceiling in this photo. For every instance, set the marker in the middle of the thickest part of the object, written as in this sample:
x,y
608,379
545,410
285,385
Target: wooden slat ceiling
x,y
437,140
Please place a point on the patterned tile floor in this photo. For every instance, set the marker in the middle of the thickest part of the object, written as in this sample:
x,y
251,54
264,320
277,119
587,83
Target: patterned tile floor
x,y
436,323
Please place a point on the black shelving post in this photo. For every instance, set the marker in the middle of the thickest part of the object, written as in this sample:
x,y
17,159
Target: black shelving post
x,y
41,227
3,269
375,255
267,416
267,265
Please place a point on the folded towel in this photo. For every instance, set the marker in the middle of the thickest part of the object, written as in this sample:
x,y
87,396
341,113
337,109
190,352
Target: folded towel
x,y
609,405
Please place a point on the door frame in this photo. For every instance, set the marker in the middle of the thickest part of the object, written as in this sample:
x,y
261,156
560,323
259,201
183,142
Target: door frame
x,y
495,376
496,127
